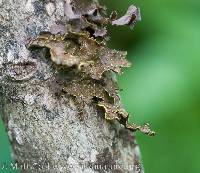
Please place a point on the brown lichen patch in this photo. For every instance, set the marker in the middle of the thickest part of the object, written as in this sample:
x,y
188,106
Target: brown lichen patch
x,y
57,46
130,18
108,60
87,90
82,51
85,14
113,112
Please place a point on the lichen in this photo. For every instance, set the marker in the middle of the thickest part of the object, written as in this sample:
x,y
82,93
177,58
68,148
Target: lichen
x,y
84,52
92,62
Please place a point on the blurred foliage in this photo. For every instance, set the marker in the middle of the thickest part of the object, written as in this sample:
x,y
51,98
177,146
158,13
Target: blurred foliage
x,y
163,86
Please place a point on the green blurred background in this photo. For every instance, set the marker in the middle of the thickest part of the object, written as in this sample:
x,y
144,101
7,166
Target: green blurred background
x,y
163,86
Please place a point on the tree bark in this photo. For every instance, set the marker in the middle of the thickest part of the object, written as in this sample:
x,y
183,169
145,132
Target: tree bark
x,y
44,129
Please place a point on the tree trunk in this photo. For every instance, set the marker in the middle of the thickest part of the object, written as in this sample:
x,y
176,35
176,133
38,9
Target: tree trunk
x,y
43,125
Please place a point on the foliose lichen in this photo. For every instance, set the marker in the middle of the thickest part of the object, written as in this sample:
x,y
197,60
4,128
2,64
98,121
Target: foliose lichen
x,y
81,47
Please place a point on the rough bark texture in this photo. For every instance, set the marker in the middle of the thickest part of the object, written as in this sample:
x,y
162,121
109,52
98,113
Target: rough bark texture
x,y
43,123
